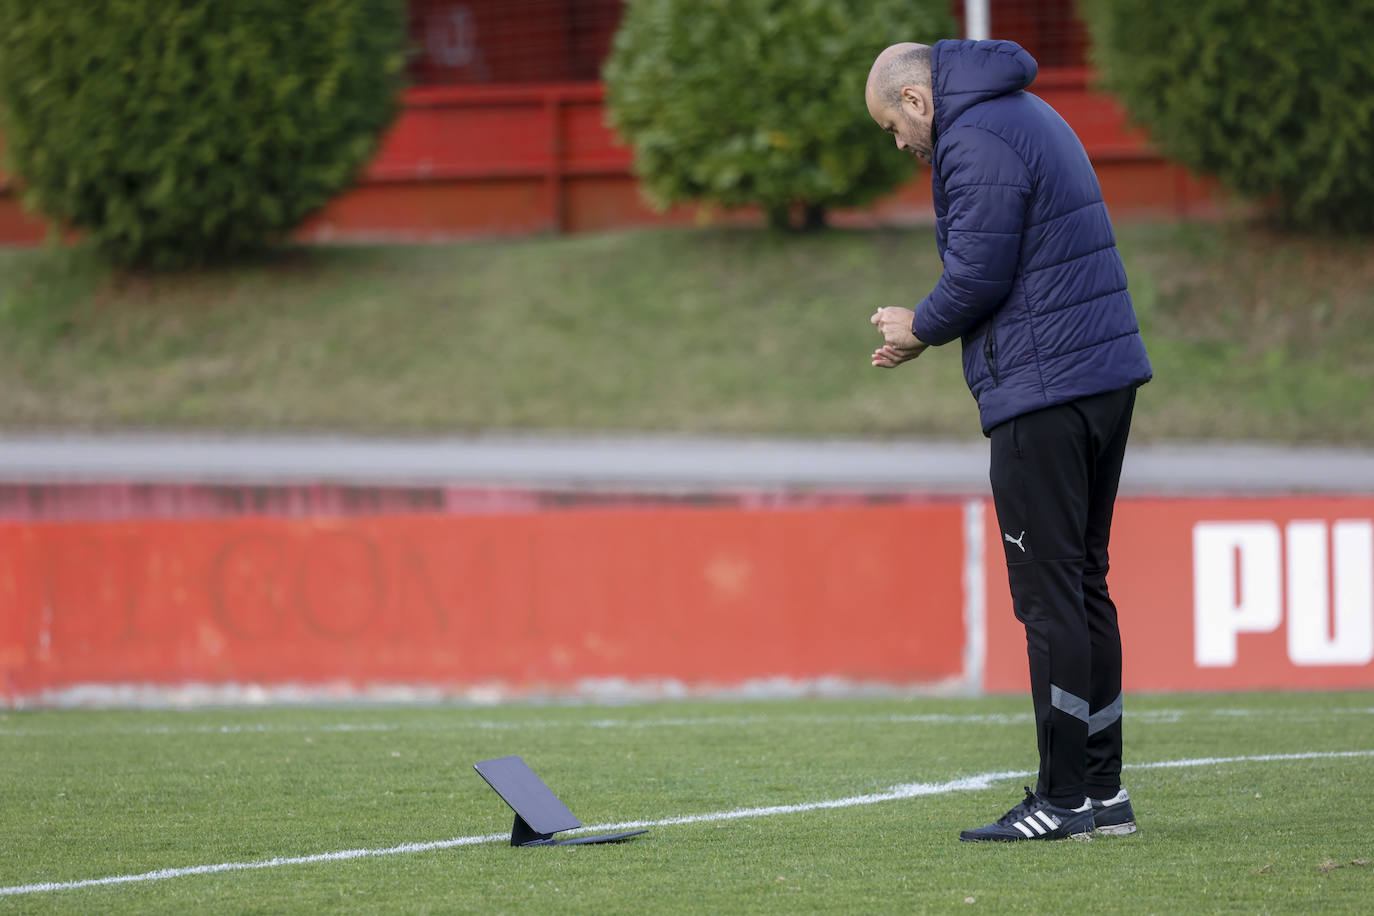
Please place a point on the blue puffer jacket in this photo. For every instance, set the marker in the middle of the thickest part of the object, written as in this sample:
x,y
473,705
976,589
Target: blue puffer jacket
x,y
1032,280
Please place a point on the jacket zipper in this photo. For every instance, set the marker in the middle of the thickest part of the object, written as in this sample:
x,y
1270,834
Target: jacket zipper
x,y
990,352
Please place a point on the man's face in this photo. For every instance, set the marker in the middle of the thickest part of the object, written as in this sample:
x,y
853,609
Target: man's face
x,y
909,122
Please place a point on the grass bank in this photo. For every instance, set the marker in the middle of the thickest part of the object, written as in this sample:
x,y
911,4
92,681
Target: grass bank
x,y
730,331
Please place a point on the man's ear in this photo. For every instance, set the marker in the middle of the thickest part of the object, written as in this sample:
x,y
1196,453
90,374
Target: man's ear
x,y
913,96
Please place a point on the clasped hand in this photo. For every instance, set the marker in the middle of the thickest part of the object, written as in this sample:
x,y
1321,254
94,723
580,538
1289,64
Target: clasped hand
x,y
899,343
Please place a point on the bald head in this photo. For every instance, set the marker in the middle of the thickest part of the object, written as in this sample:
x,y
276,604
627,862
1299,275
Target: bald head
x,y
898,66
900,99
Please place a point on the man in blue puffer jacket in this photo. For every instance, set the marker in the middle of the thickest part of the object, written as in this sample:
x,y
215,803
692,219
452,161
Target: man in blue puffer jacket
x,y
1034,286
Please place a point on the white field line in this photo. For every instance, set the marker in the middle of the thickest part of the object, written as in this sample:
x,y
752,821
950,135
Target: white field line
x,y
539,724
1018,718
907,790
163,874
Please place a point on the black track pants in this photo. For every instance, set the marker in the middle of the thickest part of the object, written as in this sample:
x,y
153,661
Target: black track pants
x,y
1054,477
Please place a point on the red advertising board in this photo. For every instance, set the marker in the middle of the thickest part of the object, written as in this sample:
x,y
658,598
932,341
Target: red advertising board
x,y
1213,594
703,597
1223,594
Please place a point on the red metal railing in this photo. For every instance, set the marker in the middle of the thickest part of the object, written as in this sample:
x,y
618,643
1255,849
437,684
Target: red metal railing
x,y
463,161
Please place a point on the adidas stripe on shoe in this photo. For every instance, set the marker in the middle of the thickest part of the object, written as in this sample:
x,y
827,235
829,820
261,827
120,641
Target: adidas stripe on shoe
x,y
1036,819
1113,816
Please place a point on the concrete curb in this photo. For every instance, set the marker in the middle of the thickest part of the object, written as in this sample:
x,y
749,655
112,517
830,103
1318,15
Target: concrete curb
x,y
649,463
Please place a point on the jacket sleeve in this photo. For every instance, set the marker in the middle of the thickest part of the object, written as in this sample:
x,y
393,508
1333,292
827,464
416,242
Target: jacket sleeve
x,y
988,187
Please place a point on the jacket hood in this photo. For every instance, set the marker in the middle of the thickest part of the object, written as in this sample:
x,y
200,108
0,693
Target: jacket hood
x,y
964,73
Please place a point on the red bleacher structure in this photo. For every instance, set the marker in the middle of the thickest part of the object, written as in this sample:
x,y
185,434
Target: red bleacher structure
x,y
503,132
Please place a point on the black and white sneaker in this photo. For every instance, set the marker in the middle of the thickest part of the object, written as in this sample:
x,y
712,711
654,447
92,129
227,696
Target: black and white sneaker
x,y
1036,819
1114,816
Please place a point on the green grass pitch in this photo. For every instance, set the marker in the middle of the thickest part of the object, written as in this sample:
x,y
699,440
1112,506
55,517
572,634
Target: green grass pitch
x,y
1243,805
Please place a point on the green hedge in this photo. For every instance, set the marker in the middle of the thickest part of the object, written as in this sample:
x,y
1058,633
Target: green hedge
x,y
175,131
760,102
1274,97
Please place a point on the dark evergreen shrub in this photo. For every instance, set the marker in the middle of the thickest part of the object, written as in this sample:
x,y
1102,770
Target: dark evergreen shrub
x,y
174,131
760,102
1271,96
